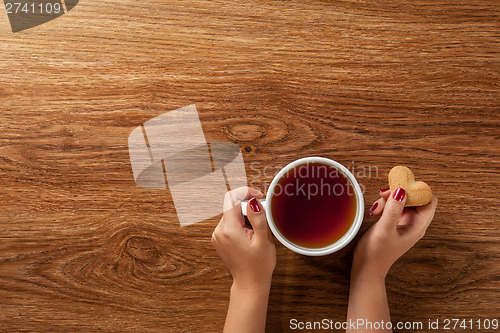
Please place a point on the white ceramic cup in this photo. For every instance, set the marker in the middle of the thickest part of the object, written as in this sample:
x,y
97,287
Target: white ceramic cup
x,y
337,245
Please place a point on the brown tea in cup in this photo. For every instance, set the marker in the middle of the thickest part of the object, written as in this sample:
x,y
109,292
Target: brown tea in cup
x,y
313,205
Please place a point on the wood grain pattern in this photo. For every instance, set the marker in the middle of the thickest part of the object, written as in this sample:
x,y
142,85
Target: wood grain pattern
x,y
82,248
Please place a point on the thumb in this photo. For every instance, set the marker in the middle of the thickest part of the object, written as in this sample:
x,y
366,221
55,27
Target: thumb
x,y
393,209
257,218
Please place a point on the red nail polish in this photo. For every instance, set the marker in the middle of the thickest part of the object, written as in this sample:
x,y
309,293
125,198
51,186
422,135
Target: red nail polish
x,y
254,205
399,194
375,205
384,189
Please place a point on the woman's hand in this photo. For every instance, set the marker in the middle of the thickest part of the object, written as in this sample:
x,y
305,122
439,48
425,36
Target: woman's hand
x,y
396,232
248,253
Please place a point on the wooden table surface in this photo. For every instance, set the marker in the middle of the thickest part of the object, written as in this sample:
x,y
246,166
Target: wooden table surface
x,y
369,84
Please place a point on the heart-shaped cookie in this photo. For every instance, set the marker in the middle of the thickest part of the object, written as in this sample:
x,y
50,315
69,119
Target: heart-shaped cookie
x,y
417,193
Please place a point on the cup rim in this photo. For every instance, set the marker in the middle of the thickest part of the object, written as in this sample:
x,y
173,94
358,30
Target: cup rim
x,y
341,242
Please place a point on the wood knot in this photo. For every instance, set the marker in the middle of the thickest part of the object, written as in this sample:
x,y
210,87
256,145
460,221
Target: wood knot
x,y
143,249
245,132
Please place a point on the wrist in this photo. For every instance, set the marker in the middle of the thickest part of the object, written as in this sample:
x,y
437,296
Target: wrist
x,y
260,289
366,271
367,276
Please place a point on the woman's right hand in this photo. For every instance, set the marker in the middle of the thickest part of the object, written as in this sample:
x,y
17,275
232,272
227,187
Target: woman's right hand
x,y
248,253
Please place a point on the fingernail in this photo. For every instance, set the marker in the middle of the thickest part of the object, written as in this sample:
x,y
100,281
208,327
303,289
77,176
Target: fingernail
x,y
254,205
375,205
399,194
384,189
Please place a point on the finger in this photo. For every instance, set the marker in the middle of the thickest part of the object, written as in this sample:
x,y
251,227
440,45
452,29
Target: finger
x,y
377,207
385,193
257,217
214,238
393,209
217,230
218,248
215,233
234,197
232,203
426,214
